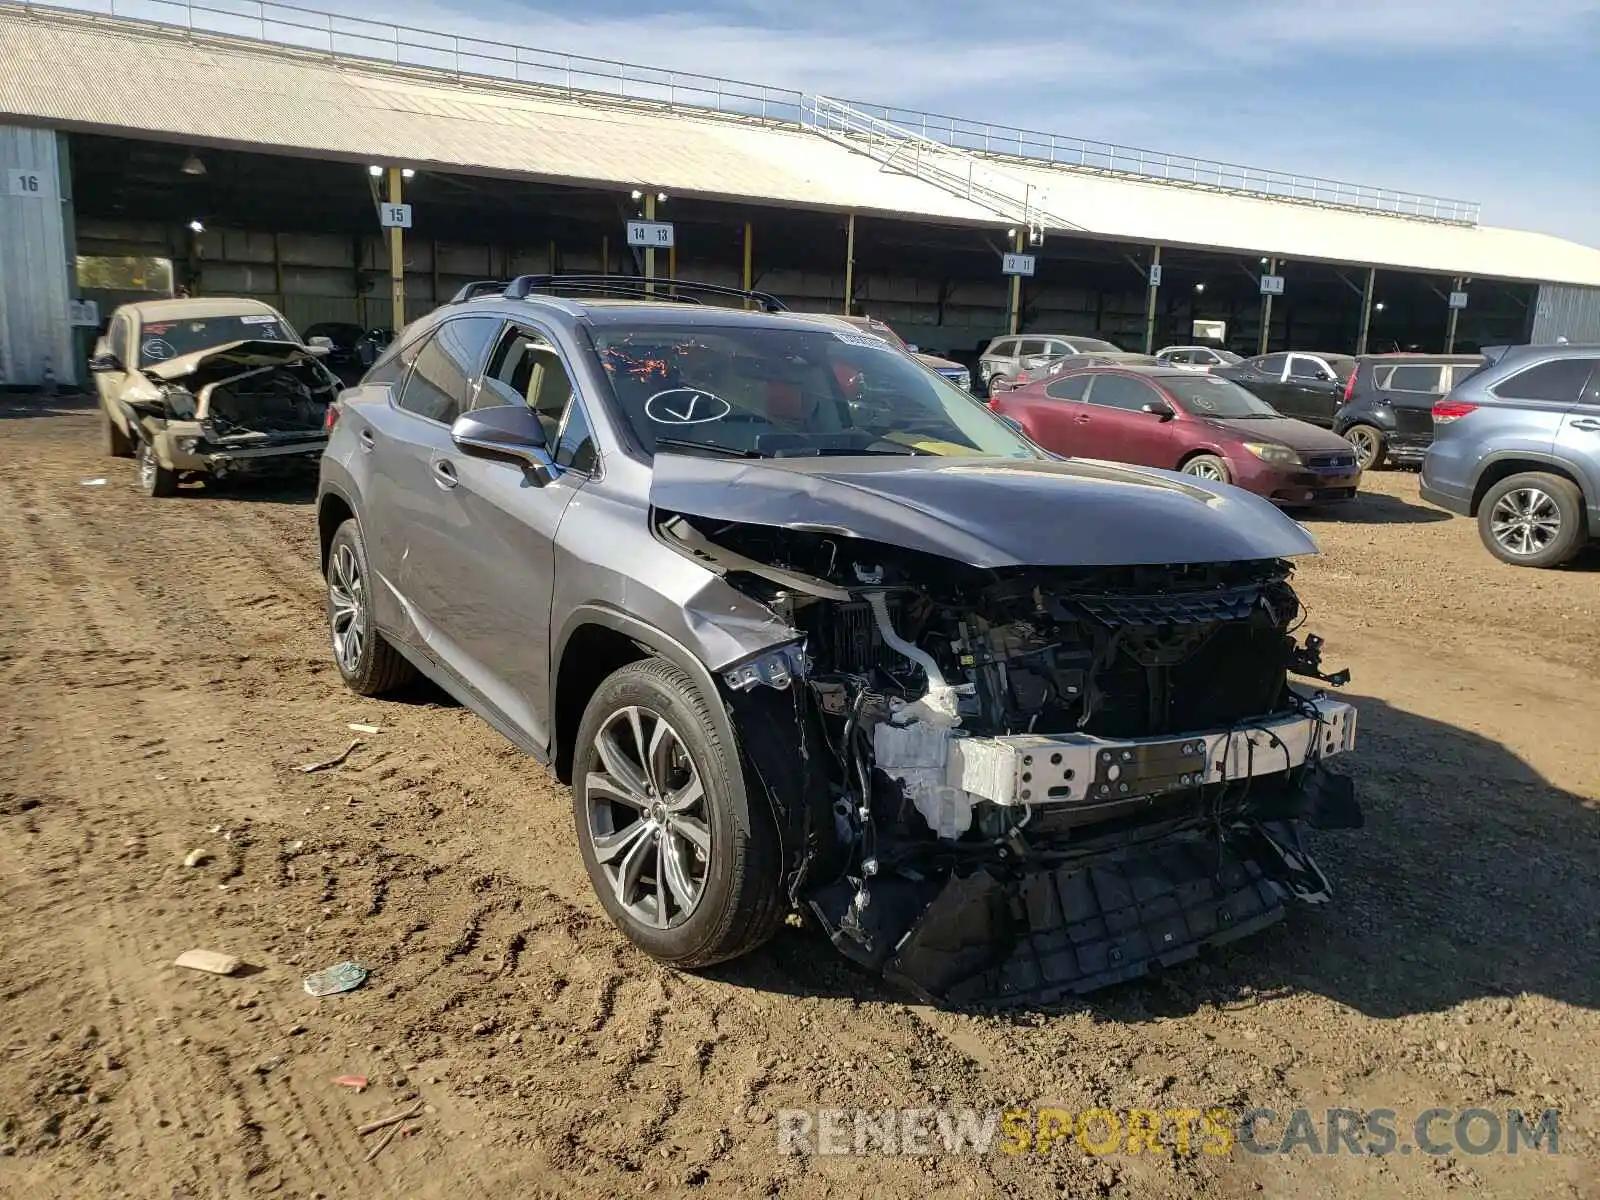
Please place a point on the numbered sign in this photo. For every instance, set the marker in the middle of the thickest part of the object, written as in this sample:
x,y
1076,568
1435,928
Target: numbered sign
x,y
1017,264
1458,299
34,185
652,235
1155,275
1272,285
84,312
394,216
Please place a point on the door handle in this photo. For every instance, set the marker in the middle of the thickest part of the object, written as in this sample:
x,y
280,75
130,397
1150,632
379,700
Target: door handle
x,y
368,442
1587,423
1082,418
444,473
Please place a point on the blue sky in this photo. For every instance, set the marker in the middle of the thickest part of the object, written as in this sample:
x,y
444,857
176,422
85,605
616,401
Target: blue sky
x,y
1489,100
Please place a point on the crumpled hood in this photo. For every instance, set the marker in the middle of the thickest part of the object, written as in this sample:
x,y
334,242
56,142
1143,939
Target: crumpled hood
x,y
1285,431
988,512
230,357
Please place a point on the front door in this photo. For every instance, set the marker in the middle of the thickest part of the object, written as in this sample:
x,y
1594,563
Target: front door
x,y
1311,391
1120,429
1578,440
494,556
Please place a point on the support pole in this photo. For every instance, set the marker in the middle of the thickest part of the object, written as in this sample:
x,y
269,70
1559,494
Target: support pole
x,y
1150,303
1366,310
649,251
1266,309
605,254
849,263
1450,327
397,258
1015,316
749,257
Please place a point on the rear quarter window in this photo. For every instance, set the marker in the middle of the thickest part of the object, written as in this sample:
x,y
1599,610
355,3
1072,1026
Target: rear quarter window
x,y
1560,381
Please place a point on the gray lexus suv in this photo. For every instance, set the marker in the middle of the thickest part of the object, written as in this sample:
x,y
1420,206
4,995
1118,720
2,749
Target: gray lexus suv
x,y
806,627
1517,445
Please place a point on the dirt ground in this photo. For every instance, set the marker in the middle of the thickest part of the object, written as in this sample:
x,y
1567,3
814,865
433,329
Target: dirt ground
x,y
164,669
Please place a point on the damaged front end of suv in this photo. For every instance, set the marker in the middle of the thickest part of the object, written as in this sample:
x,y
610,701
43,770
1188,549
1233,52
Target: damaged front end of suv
x,y
242,408
1016,760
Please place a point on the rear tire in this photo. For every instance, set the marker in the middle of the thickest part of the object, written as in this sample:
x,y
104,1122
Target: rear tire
x,y
117,443
1533,520
369,665
1208,467
1370,445
690,883
154,479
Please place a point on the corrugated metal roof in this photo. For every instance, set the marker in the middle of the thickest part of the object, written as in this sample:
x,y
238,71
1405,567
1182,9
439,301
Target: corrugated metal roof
x,y
127,77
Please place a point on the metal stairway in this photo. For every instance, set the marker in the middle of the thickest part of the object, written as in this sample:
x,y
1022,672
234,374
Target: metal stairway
x,y
957,171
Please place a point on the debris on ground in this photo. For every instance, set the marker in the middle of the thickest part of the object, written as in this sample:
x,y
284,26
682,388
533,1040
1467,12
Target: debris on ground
x,y
210,961
196,858
363,728
391,1119
357,1083
92,482
394,1123
345,977
332,762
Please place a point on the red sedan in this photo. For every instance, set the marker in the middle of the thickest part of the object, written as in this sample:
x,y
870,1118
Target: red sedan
x,y
1201,425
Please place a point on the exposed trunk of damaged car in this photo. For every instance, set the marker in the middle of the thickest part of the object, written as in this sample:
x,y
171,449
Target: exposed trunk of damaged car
x,y
1002,785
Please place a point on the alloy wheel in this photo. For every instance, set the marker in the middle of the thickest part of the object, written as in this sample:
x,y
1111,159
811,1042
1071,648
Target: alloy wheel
x,y
1525,520
1204,469
1365,443
647,818
347,608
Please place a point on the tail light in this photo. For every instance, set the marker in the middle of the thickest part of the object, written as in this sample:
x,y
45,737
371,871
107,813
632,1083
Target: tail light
x,y
331,417
1350,387
1446,411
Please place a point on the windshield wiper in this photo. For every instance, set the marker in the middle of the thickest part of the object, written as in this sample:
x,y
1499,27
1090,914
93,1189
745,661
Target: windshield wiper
x,y
671,443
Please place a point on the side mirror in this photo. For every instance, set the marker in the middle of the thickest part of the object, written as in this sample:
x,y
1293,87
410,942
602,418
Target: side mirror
x,y
509,433
105,361
912,347
1160,408
321,345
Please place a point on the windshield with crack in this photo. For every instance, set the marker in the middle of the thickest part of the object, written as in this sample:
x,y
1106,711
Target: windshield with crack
x,y
780,391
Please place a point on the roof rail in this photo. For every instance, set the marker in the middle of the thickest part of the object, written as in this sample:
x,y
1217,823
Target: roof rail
x,y
480,287
636,287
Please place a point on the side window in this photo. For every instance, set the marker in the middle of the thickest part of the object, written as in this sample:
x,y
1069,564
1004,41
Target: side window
x,y
1002,348
1120,391
1560,380
1415,379
527,368
1071,388
440,383
1031,347
391,366
1462,372
1270,364
1301,367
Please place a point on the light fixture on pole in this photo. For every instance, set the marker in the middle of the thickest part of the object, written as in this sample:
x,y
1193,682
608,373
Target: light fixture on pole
x,y
1378,307
197,225
1199,287
193,166
375,171
408,173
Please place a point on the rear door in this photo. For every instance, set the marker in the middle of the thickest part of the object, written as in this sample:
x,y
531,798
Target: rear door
x,y
1578,441
1118,427
1411,389
1057,416
408,445
1310,391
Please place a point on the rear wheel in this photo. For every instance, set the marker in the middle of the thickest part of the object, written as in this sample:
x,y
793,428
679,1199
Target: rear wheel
x,y
683,860
117,443
1209,467
1532,520
369,664
154,479
1370,446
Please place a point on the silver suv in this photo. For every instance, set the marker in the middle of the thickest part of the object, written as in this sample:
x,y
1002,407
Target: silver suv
x,y
1517,445
1007,358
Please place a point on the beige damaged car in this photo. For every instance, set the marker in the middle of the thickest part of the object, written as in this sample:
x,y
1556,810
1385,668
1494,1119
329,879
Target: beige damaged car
x,y
210,387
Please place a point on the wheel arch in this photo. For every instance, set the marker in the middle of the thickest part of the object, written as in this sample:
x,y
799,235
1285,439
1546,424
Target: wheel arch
x,y
1495,470
333,510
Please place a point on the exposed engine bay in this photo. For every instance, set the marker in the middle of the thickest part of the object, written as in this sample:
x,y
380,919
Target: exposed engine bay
x,y
1038,780
253,406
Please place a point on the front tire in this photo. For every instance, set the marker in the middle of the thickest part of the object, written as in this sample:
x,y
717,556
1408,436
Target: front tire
x,y
369,665
1209,467
682,858
1370,445
154,479
1532,520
